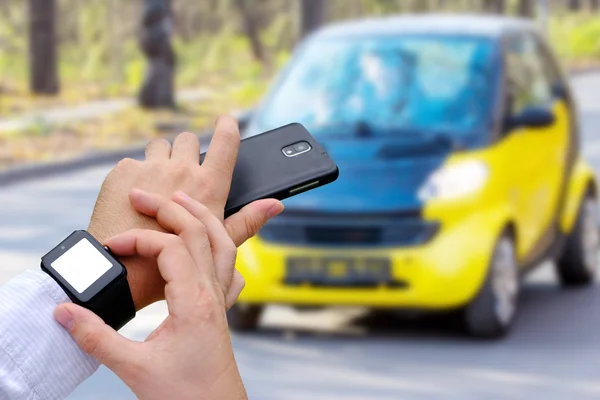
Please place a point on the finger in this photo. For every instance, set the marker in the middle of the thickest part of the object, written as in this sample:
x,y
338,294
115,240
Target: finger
x,y
175,218
186,147
98,339
224,250
246,223
158,149
237,285
175,263
222,152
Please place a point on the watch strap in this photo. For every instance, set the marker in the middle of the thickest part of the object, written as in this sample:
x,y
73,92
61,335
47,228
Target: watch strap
x,y
114,304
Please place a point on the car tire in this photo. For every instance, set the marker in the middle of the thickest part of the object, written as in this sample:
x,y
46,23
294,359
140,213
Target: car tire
x,y
244,317
491,313
578,262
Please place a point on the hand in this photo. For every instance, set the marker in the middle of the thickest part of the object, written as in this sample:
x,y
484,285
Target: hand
x,y
165,171
175,219
189,356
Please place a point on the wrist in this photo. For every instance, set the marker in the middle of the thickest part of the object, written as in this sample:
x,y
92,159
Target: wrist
x,y
138,294
228,385
145,283
142,290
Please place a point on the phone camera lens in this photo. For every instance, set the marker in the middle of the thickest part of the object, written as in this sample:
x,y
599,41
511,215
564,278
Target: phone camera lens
x,y
302,146
289,151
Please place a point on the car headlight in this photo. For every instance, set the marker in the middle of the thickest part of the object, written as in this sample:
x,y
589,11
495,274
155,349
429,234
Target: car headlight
x,y
454,181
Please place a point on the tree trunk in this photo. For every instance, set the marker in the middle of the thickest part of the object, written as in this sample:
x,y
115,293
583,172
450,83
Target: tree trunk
x,y
158,89
313,15
526,8
252,30
419,6
593,5
495,6
574,5
43,68
441,4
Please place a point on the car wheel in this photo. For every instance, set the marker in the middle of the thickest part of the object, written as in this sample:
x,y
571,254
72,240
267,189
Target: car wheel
x,y
244,317
492,312
578,263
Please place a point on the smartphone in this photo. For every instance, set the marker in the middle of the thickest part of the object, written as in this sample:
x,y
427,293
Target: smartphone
x,y
278,164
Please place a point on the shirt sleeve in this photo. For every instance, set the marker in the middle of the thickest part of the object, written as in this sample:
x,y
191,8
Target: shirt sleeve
x,y
38,358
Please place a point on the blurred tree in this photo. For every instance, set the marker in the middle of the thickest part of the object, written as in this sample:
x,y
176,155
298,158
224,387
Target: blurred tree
x,y
115,51
251,28
591,5
416,6
312,15
526,8
575,5
495,6
158,88
43,66
441,4
356,8
346,9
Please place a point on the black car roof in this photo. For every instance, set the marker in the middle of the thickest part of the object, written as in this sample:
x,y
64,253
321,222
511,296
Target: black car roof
x,y
476,25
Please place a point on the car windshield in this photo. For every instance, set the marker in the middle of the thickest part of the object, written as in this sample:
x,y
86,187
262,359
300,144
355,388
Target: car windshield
x,y
386,85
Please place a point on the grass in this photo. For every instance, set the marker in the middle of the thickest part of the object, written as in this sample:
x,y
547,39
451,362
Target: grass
x,y
41,142
86,73
576,39
222,64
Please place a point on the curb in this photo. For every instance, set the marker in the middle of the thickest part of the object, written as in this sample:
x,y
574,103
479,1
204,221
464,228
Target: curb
x,y
44,170
583,71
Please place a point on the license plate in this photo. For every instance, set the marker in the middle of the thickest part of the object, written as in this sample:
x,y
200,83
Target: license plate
x,y
338,271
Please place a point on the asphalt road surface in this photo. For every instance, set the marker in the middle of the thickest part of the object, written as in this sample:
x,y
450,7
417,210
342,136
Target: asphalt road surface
x,y
553,352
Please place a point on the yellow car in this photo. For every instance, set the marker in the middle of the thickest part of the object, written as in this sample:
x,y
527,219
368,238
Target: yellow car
x,y
457,144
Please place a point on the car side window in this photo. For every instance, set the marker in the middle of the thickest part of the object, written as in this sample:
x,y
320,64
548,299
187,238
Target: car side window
x,y
551,69
527,77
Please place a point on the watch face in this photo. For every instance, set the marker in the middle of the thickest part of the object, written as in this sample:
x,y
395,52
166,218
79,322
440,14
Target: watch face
x,y
81,265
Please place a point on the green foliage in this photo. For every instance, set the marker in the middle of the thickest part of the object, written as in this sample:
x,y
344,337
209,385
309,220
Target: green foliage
x,y
99,55
576,38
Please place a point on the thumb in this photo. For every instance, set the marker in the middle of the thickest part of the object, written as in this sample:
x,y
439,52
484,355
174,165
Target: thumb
x,y
95,337
246,223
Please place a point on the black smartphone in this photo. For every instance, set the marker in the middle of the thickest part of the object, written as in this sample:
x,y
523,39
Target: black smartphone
x,y
278,164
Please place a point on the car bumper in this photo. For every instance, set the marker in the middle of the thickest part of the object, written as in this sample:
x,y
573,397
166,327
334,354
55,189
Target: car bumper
x,y
446,272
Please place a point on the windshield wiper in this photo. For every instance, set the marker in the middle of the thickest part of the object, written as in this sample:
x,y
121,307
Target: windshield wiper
x,y
363,129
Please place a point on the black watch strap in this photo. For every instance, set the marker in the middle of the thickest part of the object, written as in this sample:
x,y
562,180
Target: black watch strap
x,y
114,304
109,296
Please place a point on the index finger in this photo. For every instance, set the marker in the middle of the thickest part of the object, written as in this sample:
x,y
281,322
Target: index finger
x,y
223,150
175,263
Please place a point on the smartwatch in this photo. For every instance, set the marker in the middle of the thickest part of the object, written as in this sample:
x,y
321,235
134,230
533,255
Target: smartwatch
x,y
92,277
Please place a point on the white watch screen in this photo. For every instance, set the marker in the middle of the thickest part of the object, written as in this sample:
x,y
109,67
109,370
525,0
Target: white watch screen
x,y
81,265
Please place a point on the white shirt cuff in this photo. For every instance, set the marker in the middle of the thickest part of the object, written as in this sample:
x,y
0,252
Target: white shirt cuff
x,y
42,351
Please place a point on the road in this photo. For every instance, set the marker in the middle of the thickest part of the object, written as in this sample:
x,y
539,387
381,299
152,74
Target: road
x,y
553,352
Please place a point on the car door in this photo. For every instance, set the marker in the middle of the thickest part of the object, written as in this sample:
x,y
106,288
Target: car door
x,y
532,149
558,144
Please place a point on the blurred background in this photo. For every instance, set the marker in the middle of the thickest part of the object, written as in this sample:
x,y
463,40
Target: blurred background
x,y
86,82
65,65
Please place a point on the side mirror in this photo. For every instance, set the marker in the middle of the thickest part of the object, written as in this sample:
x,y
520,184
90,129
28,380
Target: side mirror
x,y
533,117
